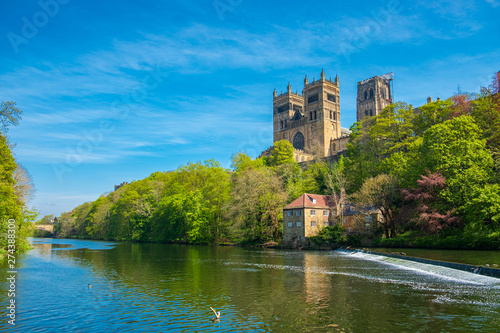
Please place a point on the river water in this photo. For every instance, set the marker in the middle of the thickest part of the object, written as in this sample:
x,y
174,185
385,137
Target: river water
x,y
170,288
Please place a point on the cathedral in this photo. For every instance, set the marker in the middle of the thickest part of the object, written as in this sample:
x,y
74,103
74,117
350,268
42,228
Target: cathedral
x,y
311,121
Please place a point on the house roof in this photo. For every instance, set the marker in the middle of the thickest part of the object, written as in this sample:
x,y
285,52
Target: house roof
x,y
311,200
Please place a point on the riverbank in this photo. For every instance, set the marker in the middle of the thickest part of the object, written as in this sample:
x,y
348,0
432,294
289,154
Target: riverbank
x,y
460,241
483,258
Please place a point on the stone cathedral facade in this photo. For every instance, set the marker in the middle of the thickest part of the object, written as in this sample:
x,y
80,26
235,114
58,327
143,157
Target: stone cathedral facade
x,y
311,120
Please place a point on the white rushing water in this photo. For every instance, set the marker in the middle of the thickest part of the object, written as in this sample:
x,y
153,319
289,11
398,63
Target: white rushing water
x,y
427,269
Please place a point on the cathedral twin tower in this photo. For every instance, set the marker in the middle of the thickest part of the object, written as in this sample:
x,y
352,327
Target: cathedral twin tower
x,y
311,121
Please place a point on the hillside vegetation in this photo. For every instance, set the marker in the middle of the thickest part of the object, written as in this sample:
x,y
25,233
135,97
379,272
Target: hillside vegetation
x,y
434,172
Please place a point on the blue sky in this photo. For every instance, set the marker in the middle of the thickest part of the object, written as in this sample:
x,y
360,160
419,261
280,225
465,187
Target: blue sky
x,y
115,90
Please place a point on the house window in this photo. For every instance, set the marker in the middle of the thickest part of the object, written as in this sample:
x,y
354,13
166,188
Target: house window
x,y
297,212
325,213
350,229
290,224
335,116
313,223
313,212
299,224
331,98
327,223
314,114
343,221
290,213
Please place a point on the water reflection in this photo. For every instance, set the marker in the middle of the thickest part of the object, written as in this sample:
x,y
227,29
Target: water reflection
x,y
155,287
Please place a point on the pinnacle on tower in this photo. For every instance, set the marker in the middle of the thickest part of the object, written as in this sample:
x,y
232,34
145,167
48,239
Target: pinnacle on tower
x,y
289,88
306,82
274,93
322,74
336,79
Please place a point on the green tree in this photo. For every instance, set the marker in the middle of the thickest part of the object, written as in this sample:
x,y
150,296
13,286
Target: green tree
x,y
242,161
432,114
336,183
10,205
314,178
382,192
456,149
9,115
255,208
281,153
483,211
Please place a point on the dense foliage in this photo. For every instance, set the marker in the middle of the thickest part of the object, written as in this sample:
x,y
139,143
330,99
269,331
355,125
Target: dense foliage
x,y
434,171
15,189
201,202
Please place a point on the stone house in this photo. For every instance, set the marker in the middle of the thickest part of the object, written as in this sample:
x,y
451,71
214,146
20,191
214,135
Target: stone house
x,y
308,214
305,216
360,219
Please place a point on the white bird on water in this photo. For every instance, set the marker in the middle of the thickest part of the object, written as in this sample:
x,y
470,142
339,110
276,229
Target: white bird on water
x,y
217,314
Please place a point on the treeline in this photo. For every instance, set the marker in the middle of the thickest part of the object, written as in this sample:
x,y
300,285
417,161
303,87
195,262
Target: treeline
x,y
15,190
201,202
434,172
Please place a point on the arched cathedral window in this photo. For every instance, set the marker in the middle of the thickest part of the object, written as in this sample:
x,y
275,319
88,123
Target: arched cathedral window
x,y
298,141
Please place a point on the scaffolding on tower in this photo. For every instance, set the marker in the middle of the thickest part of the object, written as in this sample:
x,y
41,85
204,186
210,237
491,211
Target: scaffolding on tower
x,y
390,77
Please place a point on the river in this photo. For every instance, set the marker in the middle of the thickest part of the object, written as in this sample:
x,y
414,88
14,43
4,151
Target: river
x,y
160,288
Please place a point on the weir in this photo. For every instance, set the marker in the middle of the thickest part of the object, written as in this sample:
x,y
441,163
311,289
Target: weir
x,y
481,270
